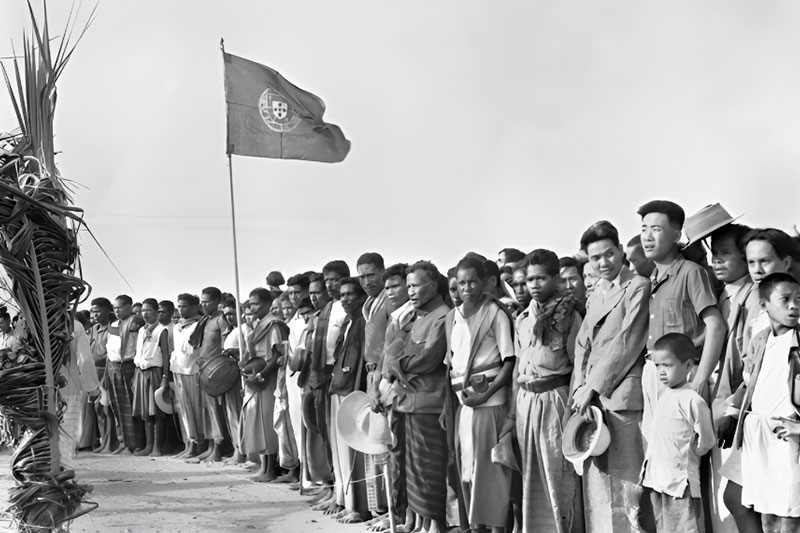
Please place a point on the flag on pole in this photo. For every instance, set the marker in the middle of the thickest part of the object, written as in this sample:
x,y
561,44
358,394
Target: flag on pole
x,y
269,116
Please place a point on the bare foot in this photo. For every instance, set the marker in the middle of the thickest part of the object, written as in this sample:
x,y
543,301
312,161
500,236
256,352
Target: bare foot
x,y
288,477
333,509
353,517
142,452
263,478
119,449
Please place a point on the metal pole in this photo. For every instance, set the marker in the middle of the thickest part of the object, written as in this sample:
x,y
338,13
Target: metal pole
x,y
387,477
236,264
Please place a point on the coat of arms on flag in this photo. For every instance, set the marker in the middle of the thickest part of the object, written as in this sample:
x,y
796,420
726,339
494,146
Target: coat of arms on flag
x,y
268,116
275,111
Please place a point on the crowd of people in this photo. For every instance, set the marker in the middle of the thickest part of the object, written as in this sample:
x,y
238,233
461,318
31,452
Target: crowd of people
x,y
689,366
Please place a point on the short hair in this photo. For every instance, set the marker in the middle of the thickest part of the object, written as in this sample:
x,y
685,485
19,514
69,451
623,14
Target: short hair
x,y
545,258
305,302
152,302
81,316
473,261
600,231
451,273
213,293
737,232
137,304
338,266
275,278
370,258
678,344
569,261
316,277
190,299
492,269
673,211
512,254
519,265
102,303
353,281
636,241
125,299
397,269
780,241
299,279
768,284
426,266
168,306
228,300
262,294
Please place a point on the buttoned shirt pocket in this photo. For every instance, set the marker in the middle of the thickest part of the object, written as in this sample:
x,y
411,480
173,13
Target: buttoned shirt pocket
x,y
672,311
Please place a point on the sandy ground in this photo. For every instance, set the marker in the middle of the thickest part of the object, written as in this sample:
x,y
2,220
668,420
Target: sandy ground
x,y
142,494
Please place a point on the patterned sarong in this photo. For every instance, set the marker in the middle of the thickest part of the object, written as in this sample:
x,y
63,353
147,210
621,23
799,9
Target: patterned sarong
x,y
120,387
426,465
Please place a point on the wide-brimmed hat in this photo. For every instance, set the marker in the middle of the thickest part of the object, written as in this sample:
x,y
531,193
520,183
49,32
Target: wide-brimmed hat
x,y
164,398
361,428
583,439
705,222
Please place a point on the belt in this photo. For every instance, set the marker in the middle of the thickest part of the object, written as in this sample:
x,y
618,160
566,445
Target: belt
x,y
546,384
459,386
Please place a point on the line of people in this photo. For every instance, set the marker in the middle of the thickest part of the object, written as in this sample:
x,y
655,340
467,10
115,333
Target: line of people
x,y
691,366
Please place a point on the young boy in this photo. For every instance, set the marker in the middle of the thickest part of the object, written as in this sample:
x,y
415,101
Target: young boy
x,y
683,434
768,430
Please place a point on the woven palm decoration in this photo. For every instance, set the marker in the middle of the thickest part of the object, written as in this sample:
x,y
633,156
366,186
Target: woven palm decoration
x,y
38,251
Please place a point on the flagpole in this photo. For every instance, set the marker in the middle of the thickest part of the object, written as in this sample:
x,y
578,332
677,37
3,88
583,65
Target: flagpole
x,y
242,347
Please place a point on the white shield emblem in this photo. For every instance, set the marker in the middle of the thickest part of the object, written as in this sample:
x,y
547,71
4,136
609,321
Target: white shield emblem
x,y
280,109
276,112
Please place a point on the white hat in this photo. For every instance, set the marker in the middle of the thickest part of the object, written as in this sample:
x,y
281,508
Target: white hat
x,y
582,439
165,404
361,428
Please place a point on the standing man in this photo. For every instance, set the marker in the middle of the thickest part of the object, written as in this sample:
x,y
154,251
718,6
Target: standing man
x,y
121,349
296,291
682,300
481,361
315,377
183,364
257,431
609,358
545,337
207,343
420,382
349,375
101,312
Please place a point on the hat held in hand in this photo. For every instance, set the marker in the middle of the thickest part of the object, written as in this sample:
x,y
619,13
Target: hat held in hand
x,y
361,428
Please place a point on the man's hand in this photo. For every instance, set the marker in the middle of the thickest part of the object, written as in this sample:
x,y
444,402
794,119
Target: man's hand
x,y
788,428
582,400
510,426
473,399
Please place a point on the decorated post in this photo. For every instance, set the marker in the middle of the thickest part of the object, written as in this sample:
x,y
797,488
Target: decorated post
x,y
38,251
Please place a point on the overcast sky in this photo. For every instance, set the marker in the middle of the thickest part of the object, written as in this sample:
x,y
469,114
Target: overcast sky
x,y
474,125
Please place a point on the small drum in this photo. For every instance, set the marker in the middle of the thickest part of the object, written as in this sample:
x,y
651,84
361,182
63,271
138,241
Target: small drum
x,y
253,366
218,375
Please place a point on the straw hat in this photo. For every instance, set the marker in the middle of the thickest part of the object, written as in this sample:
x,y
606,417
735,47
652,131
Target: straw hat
x,y
582,439
705,222
164,399
361,429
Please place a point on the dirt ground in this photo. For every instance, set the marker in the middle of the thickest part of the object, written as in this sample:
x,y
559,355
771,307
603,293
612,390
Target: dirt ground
x,y
142,494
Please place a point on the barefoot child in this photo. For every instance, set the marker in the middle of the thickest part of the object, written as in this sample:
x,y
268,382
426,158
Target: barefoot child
x,y
152,347
768,430
683,434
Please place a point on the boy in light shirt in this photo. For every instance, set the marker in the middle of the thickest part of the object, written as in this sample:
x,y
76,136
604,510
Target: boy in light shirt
x,y
683,434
